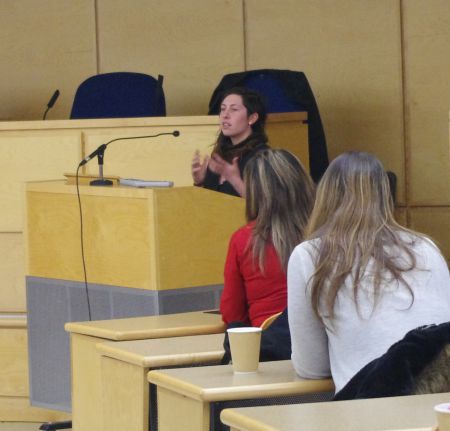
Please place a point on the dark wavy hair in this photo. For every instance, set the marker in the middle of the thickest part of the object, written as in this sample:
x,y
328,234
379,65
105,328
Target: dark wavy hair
x,y
254,103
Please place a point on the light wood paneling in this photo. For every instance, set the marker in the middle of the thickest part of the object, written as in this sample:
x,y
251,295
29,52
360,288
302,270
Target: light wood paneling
x,y
122,396
13,360
149,239
185,255
114,228
142,328
44,48
16,409
124,368
12,270
434,222
193,390
400,216
192,43
86,362
190,414
350,51
411,413
36,155
427,83
85,376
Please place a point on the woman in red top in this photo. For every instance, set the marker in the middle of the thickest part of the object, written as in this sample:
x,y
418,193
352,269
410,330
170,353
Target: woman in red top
x,y
279,198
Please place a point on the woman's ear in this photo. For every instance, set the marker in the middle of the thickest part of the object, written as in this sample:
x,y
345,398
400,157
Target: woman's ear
x,y
253,118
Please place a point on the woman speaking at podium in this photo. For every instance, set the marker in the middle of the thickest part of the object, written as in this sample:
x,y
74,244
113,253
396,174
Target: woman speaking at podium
x,y
242,119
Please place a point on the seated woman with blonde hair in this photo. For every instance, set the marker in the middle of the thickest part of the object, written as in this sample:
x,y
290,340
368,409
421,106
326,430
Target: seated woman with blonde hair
x,y
360,281
279,198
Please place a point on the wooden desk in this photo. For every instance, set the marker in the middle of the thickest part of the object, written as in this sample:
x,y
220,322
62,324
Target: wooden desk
x,y
415,429
399,413
86,364
124,368
195,391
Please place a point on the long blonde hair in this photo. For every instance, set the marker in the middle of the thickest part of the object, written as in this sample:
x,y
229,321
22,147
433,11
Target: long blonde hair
x,y
354,223
279,199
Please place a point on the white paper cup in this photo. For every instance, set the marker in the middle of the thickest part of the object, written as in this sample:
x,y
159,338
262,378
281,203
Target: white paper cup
x,y
443,416
245,344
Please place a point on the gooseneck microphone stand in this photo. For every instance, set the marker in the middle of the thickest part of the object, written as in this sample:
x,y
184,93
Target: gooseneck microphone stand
x,y
101,181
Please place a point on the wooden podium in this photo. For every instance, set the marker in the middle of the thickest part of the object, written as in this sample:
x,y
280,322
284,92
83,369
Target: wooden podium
x,y
147,252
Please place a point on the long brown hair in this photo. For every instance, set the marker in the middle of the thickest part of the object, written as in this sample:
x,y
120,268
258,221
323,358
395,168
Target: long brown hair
x,y
254,103
279,199
354,224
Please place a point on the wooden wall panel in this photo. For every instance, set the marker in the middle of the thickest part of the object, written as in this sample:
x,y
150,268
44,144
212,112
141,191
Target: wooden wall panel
x,y
351,53
28,160
13,361
427,83
12,273
192,43
44,46
434,222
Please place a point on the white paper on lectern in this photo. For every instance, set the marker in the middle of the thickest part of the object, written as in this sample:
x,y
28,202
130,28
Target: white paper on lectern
x,y
132,182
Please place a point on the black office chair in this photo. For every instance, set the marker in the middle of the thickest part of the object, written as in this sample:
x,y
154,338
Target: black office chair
x,y
284,91
119,95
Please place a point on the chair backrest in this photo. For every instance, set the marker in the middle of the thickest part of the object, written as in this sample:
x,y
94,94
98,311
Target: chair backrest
x,y
269,320
119,95
283,91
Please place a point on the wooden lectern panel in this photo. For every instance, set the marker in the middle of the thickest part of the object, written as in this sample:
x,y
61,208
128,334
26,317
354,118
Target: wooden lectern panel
x,y
116,235
153,239
194,226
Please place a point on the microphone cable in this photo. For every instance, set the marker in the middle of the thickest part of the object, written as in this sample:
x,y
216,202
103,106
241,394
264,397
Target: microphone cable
x,y
82,246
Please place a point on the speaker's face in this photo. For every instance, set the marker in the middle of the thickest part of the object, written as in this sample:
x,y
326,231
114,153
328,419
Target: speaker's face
x,y
234,119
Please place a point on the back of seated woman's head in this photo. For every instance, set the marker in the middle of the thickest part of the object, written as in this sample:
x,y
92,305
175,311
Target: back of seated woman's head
x,y
279,198
354,222
354,194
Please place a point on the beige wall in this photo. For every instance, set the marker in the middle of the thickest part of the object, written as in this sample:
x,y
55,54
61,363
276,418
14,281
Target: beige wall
x,y
379,69
44,46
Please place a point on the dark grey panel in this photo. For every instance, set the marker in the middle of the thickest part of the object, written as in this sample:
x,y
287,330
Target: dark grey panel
x,y
191,299
51,303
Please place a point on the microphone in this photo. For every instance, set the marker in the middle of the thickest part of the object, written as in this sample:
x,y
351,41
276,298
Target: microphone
x,y
95,153
51,102
101,149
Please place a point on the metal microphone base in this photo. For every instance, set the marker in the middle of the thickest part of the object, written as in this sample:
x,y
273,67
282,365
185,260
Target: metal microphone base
x,y
101,182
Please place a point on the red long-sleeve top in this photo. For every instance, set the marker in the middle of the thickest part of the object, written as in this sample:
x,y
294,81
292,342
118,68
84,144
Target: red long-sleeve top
x,y
250,295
